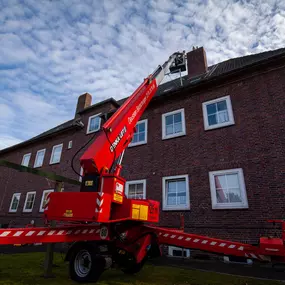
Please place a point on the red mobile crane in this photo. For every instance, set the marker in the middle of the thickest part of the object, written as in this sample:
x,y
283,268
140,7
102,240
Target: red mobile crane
x,y
105,227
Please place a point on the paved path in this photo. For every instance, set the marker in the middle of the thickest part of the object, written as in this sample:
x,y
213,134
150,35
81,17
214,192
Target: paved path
x,y
264,271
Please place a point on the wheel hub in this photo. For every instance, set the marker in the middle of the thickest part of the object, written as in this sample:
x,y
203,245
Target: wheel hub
x,y
82,263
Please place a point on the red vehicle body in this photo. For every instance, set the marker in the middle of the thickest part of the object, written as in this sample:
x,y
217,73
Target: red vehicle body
x,y
106,227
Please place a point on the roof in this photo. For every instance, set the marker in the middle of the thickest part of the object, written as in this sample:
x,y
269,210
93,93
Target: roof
x,y
98,104
220,69
214,71
74,123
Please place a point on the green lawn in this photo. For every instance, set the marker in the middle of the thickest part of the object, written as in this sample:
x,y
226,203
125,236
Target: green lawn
x,y
27,269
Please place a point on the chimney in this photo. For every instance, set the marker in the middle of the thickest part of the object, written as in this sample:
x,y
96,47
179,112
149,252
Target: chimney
x,y
83,102
197,62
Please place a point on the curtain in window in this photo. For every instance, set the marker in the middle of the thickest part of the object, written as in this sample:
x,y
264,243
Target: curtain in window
x,y
220,192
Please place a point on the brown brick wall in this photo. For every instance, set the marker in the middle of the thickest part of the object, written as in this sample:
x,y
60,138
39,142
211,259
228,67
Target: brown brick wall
x,y
254,143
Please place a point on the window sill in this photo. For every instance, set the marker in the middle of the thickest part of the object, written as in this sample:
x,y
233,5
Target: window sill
x,y
91,132
51,163
37,166
137,144
229,207
27,211
173,136
12,211
181,208
218,126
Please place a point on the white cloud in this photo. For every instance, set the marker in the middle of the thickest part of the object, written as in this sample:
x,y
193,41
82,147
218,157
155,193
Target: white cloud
x,y
6,112
13,51
53,51
6,141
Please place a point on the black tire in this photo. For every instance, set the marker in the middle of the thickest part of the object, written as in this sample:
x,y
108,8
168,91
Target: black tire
x,y
85,265
134,268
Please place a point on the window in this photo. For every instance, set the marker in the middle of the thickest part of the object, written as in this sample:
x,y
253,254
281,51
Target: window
x,y
173,124
69,145
26,159
94,123
39,158
44,198
136,189
178,251
218,113
175,193
14,202
228,189
56,154
29,202
140,136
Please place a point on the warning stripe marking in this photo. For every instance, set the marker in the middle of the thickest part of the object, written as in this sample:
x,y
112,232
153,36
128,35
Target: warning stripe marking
x,y
50,233
30,233
4,234
18,233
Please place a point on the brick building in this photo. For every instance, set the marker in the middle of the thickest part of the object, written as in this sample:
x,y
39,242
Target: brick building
x,y
211,148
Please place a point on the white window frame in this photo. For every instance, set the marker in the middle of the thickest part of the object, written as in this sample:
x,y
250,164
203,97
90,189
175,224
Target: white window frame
x,y
166,207
182,133
89,121
51,162
131,182
10,208
27,154
229,109
215,204
26,200
172,248
145,140
42,200
81,174
69,145
44,150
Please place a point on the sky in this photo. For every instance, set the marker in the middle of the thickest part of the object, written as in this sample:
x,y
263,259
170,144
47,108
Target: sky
x,y
51,51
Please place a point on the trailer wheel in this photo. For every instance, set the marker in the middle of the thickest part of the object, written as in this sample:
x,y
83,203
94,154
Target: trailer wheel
x,y
134,268
85,265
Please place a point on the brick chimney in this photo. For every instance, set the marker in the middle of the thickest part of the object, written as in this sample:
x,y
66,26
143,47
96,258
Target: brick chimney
x,y
83,102
196,62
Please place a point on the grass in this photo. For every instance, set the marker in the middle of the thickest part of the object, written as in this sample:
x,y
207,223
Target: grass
x,y
21,269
